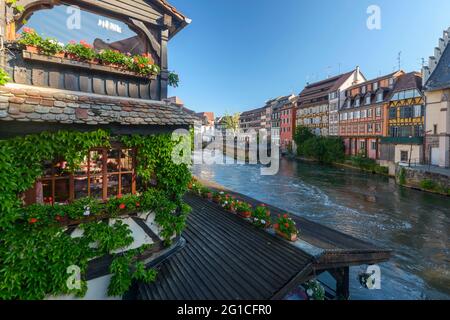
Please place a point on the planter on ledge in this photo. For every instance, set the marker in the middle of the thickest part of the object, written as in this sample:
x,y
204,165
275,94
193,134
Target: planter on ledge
x,y
32,49
290,237
245,214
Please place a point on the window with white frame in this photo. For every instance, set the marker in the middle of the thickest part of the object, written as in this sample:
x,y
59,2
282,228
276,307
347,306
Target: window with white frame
x,y
368,99
378,112
380,96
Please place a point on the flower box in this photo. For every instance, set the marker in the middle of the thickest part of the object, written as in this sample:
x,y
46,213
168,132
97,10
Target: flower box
x,y
292,237
32,49
245,214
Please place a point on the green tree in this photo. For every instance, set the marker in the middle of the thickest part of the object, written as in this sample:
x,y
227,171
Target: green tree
x,y
232,121
301,135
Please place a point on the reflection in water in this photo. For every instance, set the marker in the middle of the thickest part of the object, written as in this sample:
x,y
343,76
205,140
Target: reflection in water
x,y
412,223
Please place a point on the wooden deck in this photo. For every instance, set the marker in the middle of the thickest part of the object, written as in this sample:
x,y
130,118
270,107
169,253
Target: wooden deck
x,y
226,258
331,248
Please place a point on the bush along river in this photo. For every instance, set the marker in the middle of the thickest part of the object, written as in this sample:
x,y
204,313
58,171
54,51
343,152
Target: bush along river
x,y
414,224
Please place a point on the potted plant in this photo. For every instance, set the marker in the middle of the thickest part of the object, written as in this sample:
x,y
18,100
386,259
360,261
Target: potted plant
x,y
30,39
229,204
261,217
217,197
80,51
113,58
243,209
314,290
51,47
144,65
285,227
205,193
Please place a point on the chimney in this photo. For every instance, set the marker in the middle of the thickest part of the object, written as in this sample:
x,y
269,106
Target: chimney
x,y
356,76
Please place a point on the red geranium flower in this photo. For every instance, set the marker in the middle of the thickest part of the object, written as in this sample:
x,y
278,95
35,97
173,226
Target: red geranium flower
x,y
285,216
122,206
119,196
138,204
276,225
58,218
286,225
33,220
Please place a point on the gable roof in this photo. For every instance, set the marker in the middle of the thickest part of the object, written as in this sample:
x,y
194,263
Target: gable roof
x,y
183,21
411,80
322,88
440,78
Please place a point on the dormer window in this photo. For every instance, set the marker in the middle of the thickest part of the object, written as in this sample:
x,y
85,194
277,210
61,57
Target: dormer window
x,y
363,89
368,99
375,86
357,102
380,96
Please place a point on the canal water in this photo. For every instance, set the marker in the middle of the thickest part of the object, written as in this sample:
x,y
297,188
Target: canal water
x,y
416,225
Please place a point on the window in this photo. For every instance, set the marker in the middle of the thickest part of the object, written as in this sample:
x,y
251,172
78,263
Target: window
x,y
380,96
357,114
418,111
435,129
404,156
350,116
409,94
377,127
391,82
405,112
368,99
363,145
374,145
392,113
378,112
369,113
363,89
369,127
363,114
349,103
101,31
375,86
357,102
104,173
393,131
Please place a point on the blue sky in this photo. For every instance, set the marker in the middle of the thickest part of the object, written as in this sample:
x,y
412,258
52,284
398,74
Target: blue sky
x,y
236,54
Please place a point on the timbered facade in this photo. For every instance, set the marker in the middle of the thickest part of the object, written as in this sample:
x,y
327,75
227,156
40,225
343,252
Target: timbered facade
x,y
405,118
51,93
136,27
362,116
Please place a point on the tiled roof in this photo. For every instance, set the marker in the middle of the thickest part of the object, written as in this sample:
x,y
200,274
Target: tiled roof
x,y
253,111
226,258
387,76
322,88
440,77
26,103
208,115
412,80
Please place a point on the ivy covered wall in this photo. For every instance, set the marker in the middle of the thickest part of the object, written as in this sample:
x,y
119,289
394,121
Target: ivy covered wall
x,y
35,252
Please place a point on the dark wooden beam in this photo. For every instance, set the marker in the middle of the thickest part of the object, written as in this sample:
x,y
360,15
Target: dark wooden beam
x,y
10,129
342,277
298,279
153,41
164,63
